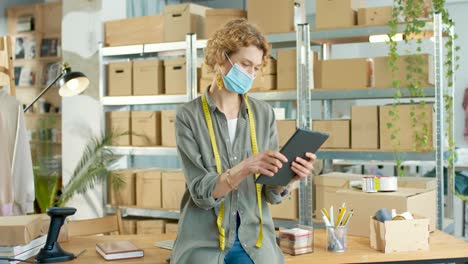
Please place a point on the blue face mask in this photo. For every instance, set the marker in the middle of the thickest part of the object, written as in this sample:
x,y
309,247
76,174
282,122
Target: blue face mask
x,y
237,80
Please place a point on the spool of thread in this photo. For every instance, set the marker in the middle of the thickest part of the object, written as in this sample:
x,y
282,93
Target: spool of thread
x,y
398,217
388,184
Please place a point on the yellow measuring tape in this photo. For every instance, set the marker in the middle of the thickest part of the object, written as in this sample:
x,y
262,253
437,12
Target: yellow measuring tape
x,y
219,169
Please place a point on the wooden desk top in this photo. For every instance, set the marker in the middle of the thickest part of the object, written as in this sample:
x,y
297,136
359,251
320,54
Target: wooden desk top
x,y
442,247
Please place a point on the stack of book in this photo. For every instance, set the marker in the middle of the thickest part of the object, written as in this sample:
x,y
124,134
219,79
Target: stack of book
x,y
296,241
22,252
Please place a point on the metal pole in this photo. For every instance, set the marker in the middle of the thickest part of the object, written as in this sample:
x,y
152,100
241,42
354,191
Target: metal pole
x,y
303,78
327,105
439,108
191,66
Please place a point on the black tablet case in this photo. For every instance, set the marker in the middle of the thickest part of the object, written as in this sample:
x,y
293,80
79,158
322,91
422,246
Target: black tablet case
x,y
302,141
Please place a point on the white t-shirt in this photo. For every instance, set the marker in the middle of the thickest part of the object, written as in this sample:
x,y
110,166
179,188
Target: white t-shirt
x,y
232,125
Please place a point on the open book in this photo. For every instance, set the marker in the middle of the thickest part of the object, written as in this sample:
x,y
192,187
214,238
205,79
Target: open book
x,y
118,250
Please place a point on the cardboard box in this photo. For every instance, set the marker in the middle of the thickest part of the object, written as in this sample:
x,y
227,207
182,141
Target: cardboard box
x,y
286,129
171,228
383,75
168,137
287,69
129,227
20,230
126,194
417,183
204,84
326,186
119,79
179,20
270,67
400,235
217,18
137,30
407,135
374,16
335,13
148,77
345,74
264,82
206,73
365,127
273,16
148,189
339,131
173,189
120,122
287,209
146,128
150,227
175,76
417,201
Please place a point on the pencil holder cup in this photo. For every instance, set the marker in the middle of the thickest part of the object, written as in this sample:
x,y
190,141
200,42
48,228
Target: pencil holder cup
x,y
336,238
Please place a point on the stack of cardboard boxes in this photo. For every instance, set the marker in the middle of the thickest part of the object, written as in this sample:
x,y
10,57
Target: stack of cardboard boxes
x,y
148,227
266,78
142,128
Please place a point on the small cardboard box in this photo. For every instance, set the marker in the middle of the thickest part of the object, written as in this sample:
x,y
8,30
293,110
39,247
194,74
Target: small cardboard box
x,y
270,67
126,194
407,135
339,131
335,13
128,227
354,74
264,82
273,16
417,183
173,189
287,69
148,189
150,227
119,79
287,209
146,128
217,18
20,230
148,77
171,227
417,201
120,122
374,16
383,76
399,235
286,129
365,127
168,137
137,30
326,186
175,76
181,19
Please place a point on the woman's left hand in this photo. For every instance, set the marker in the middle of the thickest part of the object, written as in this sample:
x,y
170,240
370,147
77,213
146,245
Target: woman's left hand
x,y
303,168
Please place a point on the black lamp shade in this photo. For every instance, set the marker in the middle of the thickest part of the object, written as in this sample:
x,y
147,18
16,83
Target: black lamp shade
x,y
72,83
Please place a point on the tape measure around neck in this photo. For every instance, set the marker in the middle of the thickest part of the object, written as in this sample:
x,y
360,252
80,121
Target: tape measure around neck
x,y
219,169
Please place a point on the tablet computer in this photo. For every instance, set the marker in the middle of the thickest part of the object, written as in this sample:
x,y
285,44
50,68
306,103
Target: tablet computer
x,y
302,141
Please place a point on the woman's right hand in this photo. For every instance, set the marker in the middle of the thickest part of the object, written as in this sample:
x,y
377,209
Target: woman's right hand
x,y
267,163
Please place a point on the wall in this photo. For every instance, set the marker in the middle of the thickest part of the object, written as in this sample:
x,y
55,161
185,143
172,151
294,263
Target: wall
x,y
4,4
81,117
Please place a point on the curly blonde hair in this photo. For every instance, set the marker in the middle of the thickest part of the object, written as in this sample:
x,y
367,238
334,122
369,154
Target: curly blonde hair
x,y
234,35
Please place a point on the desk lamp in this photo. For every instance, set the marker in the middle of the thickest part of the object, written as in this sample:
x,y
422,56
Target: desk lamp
x,y
69,84
52,252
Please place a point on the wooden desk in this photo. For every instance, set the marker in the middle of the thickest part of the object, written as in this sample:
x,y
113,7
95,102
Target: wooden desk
x,y
443,248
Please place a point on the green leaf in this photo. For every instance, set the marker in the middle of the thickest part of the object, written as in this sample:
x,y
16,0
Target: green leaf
x,y
389,125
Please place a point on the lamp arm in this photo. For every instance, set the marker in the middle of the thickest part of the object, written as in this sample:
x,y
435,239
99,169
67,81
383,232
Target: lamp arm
x,y
44,91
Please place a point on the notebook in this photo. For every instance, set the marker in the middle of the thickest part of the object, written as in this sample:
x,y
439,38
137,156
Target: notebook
x,y
302,141
118,250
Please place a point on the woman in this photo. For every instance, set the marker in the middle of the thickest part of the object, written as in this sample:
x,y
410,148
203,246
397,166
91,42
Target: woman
x,y
224,138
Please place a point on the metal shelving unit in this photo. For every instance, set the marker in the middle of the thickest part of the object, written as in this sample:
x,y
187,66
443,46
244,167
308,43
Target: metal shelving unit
x,y
326,38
